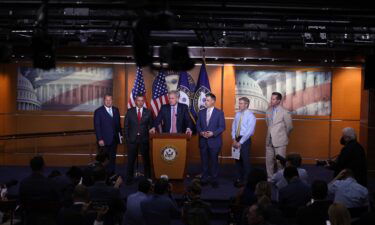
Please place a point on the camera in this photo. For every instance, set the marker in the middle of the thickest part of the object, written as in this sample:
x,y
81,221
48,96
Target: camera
x,y
112,179
281,159
98,205
321,162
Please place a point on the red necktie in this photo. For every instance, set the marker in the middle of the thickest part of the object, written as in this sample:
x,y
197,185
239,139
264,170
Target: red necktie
x,y
139,115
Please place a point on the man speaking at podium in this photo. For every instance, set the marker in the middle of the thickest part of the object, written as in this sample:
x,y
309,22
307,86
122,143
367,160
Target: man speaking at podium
x,y
174,117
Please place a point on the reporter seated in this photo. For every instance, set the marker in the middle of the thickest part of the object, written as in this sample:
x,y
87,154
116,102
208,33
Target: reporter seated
x,y
38,195
133,214
295,195
195,210
103,194
316,211
347,191
292,159
101,159
78,213
160,208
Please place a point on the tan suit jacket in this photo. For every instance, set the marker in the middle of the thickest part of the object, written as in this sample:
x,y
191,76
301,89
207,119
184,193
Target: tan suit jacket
x,y
279,127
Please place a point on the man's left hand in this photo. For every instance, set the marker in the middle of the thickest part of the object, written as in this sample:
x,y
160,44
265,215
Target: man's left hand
x,y
209,133
188,132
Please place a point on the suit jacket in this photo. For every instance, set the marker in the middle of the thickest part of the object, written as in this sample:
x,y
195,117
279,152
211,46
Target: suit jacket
x,y
107,128
279,126
216,125
132,127
164,117
159,210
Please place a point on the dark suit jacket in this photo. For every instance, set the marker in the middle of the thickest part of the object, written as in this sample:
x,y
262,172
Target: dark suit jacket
x,y
294,196
107,128
352,156
216,125
164,118
314,214
38,188
158,210
132,126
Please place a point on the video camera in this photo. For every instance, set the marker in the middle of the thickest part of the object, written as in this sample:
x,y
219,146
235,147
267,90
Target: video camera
x,y
281,159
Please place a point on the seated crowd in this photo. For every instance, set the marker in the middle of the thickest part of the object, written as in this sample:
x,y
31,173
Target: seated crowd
x,y
91,196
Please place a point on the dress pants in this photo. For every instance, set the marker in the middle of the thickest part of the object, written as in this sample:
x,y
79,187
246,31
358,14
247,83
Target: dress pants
x,y
210,163
112,151
133,154
243,164
271,153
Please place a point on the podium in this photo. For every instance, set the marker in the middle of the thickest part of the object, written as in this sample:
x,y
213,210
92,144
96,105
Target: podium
x,y
168,155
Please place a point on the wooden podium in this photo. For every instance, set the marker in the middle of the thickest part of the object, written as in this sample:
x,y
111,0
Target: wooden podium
x,y
169,155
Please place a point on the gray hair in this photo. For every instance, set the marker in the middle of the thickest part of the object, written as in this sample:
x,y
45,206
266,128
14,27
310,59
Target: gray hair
x,y
349,132
174,92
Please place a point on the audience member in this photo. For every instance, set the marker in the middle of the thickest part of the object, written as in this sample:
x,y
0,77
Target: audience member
x,y
347,191
101,159
102,194
352,156
292,159
160,207
246,195
77,213
38,195
316,212
195,210
295,195
339,214
133,214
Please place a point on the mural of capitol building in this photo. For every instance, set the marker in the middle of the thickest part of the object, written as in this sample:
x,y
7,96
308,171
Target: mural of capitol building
x,y
26,95
71,88
304,92
247,87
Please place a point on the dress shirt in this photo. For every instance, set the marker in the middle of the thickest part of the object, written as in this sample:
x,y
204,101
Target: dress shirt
x,y
209,114
247,125
175,111
349,193
109,110
139,109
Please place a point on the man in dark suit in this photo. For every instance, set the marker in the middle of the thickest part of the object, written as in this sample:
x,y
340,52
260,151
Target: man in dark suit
x,y
138,122
174,116
210,126
108,129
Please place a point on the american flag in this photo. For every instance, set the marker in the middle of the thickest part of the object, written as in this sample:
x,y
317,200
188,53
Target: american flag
x,y
159,93
138,89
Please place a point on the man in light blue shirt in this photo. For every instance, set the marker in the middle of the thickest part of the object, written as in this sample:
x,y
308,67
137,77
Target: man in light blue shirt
x,y
242,129
347,191
133,214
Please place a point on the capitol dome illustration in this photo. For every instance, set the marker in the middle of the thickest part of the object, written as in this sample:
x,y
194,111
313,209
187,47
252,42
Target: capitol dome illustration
x,y
248,87
26,96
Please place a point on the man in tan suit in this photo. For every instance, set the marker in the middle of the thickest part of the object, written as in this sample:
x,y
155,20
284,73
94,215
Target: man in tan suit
x,y
280,125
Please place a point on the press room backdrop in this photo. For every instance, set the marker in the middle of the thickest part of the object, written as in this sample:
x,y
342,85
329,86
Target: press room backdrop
x,y
314,136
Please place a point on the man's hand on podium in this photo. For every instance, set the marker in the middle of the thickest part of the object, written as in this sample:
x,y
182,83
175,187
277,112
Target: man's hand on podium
x,y
152,130
188,132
